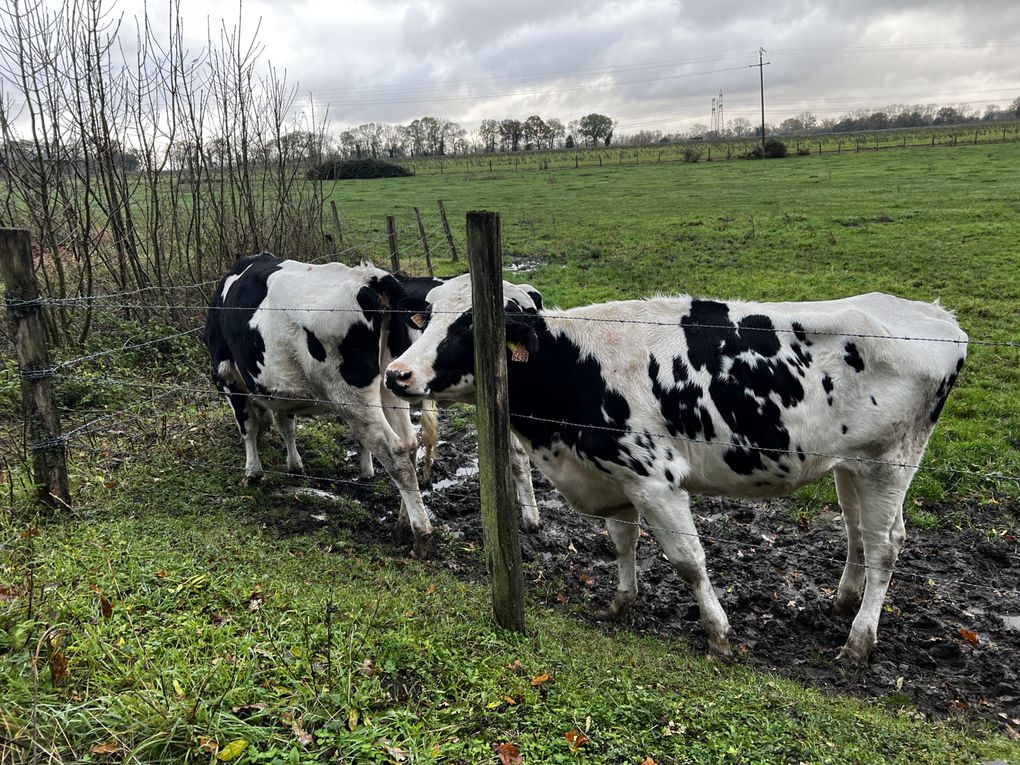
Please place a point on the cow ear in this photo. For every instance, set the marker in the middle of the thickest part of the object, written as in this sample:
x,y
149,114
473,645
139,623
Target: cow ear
x,y
521,338
534,294
415,312
391,292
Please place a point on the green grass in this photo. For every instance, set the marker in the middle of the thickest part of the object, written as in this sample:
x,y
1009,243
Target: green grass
x,y
215,630
920,223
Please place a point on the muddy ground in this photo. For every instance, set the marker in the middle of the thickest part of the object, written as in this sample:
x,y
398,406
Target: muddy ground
x,y
948,642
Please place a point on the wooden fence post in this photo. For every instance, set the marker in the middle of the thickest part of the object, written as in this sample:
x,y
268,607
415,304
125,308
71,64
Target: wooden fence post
x,y
424,241
446,228
336,222
24,314
391,237
499,520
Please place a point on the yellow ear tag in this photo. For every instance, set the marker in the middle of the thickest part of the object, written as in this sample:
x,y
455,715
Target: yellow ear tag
x,y
517,352
418,320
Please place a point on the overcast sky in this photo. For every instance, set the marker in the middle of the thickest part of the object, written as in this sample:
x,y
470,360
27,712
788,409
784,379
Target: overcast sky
x,y
649,64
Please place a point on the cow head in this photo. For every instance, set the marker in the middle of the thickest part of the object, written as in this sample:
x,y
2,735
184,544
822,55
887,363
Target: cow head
x,y
441,363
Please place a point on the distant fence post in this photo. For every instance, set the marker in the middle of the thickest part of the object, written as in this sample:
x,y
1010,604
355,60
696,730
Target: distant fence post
x,y
336,222
499,521
446,228
391,238
24,314
424,241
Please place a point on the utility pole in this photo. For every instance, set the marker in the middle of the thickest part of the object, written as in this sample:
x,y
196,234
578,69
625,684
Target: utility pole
x,y
761,77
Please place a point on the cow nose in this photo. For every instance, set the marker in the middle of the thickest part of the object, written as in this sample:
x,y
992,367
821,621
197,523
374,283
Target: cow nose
x,y
397,378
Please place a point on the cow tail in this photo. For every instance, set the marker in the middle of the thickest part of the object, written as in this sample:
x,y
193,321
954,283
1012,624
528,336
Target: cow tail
x,y
430,434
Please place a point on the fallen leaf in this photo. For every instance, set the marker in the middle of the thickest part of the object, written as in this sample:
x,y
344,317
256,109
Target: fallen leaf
x,y
970,636
510,700
105,606
352,718
232,750
161,574
508,754
516,665
304,737
107,748
647,761
541,679
368,667
58,666
430,589
208,744
587,579
8,593
575,739
398,754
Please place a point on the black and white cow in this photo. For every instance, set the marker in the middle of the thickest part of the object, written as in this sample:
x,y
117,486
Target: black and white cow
x,y
628,406
289,338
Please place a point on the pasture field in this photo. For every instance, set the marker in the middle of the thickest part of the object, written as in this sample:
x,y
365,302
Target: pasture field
x,y
174,617
919,223
717,148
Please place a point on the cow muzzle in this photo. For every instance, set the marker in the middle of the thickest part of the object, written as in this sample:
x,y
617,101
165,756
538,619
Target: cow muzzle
x,y
398,380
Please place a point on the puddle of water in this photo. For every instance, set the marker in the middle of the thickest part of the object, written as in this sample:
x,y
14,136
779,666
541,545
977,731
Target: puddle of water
x,y
470,470
1012,623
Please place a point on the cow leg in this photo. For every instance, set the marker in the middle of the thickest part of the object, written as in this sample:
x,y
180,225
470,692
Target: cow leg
x,y
398,414
623,532
851,583
520,465
397,456
249,422
365,469
287,425
668,513
883,533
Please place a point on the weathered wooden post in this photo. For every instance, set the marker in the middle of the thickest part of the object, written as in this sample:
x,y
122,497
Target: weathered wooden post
x,y
24,314
336,222
391,238
424,241
499,522
446,228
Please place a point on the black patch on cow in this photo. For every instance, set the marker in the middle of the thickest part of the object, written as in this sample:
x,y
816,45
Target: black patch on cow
x,y
800,453
413,290
669,476
942,392
359,350
455,354
562,396
799,333
747,377
845,429
873,401
315,347
852,357
228,334
681,403
827,386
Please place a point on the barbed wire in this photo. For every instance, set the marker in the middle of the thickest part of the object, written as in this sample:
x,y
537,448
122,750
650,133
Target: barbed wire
x,y
342,403
465,496
550,315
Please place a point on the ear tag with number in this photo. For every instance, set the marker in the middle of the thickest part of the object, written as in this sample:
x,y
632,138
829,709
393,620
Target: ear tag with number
x,y
518,352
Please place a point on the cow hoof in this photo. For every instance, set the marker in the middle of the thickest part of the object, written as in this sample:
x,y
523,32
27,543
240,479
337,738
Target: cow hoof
x,y
719,651
366,475
853,657
298,469
422,547
617,610
251,480
845,606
